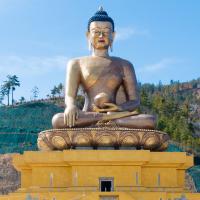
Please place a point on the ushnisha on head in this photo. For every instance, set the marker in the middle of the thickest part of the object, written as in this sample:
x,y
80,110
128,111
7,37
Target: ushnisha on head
x,y
100,32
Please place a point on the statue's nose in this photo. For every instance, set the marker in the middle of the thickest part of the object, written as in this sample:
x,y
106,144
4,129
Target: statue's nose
x,y
101,34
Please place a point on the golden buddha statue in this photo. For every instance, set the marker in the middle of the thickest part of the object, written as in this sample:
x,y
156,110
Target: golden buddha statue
x,y
109,117
101,76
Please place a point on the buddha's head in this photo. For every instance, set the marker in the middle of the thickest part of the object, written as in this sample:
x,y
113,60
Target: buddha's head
x,y
100,32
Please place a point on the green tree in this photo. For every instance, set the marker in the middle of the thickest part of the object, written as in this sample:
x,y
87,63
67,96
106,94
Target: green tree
x,y
160,85
22,100
14,82
35,92
144,98
5,90
1,98
60,89
54,91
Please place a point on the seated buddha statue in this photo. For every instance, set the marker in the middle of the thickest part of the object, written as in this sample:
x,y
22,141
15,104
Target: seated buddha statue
x,y
102,77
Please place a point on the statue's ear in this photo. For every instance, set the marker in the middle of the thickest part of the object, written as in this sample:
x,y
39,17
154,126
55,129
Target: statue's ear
x,y
88,35
113,35
88,39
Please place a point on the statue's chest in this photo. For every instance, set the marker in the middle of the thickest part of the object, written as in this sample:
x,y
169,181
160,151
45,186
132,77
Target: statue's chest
x,y
105,75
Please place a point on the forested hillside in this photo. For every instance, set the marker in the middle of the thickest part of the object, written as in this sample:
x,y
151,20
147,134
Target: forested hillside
x,y
177,107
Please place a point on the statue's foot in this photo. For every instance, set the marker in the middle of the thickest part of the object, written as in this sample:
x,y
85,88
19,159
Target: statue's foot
x,y
142,121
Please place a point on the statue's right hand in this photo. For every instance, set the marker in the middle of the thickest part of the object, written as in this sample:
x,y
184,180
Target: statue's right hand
x,y
70,115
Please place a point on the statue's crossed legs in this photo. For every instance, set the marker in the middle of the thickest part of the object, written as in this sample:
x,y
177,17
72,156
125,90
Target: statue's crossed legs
x,y
139,121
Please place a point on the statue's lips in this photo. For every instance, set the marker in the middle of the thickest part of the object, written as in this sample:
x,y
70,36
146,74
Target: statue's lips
x,y
101,41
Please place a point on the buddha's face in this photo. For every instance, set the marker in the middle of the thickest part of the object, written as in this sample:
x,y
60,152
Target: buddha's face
x,y
100,35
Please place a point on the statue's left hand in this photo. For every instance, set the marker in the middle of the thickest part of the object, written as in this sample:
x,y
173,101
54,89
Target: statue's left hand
x,y
108,107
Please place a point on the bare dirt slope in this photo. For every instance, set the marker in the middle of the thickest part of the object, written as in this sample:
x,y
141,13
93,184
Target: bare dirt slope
x,y
9,177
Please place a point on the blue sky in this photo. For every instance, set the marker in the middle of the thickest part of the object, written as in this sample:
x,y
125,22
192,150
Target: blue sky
x,y
37,38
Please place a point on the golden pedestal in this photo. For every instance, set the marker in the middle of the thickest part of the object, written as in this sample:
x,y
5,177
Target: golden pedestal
x,y
88,174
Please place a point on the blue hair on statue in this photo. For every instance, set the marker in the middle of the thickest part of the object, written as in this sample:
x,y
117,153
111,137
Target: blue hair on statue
x,y
101,16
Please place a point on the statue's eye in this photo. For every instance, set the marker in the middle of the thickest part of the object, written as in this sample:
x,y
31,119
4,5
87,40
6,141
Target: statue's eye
x,y
106,33
96,32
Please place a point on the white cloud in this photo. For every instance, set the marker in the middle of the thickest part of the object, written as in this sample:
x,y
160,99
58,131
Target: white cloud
x,y
125,33
162,64
25,66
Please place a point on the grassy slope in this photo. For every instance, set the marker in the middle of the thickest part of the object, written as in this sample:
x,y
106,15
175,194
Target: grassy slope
x,y
20,125
27,118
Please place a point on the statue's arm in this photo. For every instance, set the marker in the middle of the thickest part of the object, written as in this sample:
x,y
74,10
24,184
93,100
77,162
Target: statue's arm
x,y
71,88
72,82
130,87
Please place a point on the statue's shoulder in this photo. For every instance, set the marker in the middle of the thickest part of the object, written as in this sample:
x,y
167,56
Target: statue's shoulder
x,y
122,61
74,62
79,60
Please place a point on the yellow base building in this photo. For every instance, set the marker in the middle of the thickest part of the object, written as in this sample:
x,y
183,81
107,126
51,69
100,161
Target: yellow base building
x,y
102,175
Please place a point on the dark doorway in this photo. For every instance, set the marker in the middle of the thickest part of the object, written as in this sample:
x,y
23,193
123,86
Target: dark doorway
x,y
106,184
